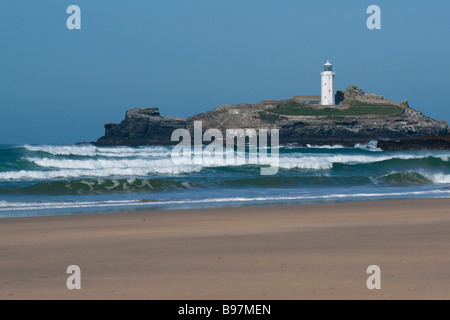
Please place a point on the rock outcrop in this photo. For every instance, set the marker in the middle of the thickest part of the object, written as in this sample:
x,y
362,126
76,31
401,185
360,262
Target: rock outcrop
x,y
320,125
437,142
353,92
142,126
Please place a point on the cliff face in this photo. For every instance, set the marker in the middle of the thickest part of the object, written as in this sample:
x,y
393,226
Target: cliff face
x,y
142,126
441,142
346,124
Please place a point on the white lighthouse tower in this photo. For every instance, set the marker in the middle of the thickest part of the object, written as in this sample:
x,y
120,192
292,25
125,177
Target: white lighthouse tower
x,y
327,98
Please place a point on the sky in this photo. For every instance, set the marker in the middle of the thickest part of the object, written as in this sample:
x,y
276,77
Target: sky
x,y
188,56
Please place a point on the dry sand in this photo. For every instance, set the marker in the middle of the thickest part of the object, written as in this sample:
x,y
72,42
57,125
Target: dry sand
x,y
317,251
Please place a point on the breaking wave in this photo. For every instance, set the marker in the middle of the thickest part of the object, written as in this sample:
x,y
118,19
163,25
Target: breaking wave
x,y
101,186
148,203
93,151
65,162
78,176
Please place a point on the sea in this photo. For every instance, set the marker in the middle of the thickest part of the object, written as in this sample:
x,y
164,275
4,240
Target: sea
x,y
41,180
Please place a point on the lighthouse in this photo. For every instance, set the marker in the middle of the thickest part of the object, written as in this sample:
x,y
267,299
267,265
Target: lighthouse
x,y
327,98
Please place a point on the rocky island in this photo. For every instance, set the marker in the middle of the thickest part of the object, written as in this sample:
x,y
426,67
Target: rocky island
x,y
357,117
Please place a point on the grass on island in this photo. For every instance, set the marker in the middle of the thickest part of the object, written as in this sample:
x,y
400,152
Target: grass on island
x,y
356,108
270,117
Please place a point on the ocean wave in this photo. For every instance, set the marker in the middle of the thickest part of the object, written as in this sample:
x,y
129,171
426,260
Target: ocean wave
x,y
440,178
412,177
14,206
371,146
93,151
101,186
405,178
94,164
301,160
334,146
75,168
104,172
326,161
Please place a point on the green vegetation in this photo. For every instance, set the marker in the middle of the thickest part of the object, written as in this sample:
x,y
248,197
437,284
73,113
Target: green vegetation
x,y
356,108
269,117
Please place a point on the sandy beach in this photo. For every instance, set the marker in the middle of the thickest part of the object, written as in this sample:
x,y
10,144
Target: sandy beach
x,y
315,251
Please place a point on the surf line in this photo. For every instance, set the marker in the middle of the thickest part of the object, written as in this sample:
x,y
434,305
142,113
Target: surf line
x,y
235,139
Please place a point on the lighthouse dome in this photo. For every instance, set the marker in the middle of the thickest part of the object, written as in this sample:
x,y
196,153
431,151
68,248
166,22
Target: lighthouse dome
x,y
328,66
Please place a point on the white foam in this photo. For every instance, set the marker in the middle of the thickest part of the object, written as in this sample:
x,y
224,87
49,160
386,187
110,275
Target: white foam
x,y
439,178
94,164
326,161
84,150
6,206
105,172
100,167
321,161
371,146
157,160
92,151
335,146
